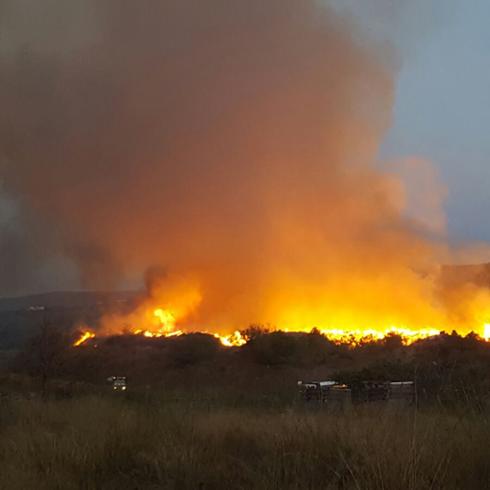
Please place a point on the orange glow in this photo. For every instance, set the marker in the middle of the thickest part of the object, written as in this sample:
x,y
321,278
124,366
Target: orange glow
x,y
167,329
164,328
166,318
340,336
407,335
234,340
83,338
344,313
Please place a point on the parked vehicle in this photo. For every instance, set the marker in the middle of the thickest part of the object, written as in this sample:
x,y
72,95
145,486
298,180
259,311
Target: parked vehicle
x,y
334,393
119,383
315,390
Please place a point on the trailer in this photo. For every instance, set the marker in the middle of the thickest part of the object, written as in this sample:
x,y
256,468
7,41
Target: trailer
x,y
402,392
315,391
333,393
370,391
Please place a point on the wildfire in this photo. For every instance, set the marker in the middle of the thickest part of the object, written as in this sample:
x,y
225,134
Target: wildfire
x,y
165,325
350,337
166,328
486,332
236,339
83,338
407,335
166,318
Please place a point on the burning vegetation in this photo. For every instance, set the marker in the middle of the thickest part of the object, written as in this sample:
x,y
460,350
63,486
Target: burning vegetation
x,y
167,328
348,337
234,151
230,149
83,338
163,324
169,305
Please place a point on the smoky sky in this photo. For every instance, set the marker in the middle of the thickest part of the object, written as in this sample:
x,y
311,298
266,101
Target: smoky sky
x,y
231,143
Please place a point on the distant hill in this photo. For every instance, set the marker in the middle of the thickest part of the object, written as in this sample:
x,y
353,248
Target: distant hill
x,y
478,274
22,316
65,299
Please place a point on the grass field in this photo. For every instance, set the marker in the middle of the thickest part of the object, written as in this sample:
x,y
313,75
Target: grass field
x,y
103,442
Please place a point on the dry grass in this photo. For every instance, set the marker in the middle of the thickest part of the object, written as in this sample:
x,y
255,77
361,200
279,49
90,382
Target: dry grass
x,y
108,443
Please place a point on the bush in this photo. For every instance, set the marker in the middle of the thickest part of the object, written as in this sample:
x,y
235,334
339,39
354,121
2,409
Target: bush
x,y
192,349
281,349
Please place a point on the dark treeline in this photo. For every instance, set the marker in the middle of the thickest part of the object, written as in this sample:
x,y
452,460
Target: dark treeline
x,y
448,368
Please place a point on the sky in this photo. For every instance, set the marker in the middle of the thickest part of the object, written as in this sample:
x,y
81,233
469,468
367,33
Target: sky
x,y
442,110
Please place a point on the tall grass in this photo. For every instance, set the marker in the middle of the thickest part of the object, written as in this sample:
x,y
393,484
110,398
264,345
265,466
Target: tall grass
x,y
110,443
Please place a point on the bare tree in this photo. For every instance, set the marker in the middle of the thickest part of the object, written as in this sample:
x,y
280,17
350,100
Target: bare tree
x,y
45,355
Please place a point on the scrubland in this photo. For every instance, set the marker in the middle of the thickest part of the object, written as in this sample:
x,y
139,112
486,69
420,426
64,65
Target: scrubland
x,y
129,442
200,416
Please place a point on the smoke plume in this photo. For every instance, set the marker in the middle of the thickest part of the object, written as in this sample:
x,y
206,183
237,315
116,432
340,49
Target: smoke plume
x,y
230,143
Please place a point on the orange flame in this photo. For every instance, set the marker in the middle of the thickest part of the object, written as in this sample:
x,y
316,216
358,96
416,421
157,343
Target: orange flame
x,y
407,335
83,338
349,337
158,322
167,329
236,339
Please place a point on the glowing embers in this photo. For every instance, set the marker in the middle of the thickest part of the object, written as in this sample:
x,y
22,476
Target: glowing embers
x,y
164,323
236,339
165,328
339,336
356,336
83,338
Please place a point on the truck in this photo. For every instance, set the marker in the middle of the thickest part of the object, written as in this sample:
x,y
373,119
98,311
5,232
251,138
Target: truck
x,y
119,383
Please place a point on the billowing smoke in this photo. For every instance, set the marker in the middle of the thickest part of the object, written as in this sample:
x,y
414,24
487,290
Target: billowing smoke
x,y
230,143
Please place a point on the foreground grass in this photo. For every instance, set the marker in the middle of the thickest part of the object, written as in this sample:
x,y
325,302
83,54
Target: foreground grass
x,y
110,443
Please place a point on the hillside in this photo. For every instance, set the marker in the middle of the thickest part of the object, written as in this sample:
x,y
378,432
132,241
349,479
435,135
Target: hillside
x,y
21,317
64,299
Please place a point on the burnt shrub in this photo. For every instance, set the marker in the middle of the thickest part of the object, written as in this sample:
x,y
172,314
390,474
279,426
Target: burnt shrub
x,y
281,348
191,349
276,348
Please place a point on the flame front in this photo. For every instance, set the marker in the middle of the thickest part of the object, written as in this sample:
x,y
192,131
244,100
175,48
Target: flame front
x,y
83,338
356,336
236,339
166,318
167,328
169,310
